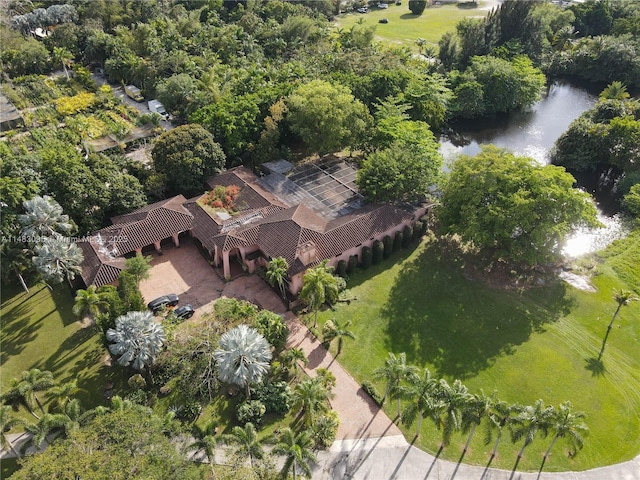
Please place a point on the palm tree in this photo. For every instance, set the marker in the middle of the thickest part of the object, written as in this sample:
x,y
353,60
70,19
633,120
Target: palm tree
x,y
477,408
423,399
455,398
335,329
394,371
567,424
15,260
292,356
64,56
420,42
206,441
297,449
7,421
70,420
57,259
277,274
24,388
137,338
243,357
500,415
246,441
43,218
622,298
310,397
319,286
88,302
614,91
529,421
62,394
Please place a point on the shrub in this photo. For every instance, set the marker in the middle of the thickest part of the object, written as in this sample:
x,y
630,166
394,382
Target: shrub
x,y
397,241
276,396
272,327
252,412
138,396
341,269
325,428
75,104
378,252
188,411
417,6
366,257
326,378
407,236
370,390
418,231
353,264
137,381
387,242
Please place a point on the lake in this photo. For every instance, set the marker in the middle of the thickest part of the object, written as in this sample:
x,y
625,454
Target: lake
x,y
532,133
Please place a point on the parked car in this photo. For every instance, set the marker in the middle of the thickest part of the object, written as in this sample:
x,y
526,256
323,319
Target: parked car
x,y
184,311
383,20
383,5
398,2
362,10
170,300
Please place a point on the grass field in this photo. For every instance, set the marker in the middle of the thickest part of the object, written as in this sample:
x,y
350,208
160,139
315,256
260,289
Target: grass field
x,y
404,27
40,331
529,345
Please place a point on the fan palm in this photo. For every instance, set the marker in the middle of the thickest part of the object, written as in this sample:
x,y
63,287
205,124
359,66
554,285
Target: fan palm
x,y
394,371
569,424
25,388
310,397
246,442
336,329
297,450
243,357
455,398
88,302
423,400
137,338
205,440
57,259
277,274
43,218
319,286
622,298
292,356
7,421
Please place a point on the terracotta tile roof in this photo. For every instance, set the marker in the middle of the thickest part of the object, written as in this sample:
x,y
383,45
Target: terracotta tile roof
x,y
98,269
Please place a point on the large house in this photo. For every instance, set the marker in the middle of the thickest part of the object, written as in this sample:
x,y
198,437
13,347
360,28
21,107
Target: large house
x,y
305,214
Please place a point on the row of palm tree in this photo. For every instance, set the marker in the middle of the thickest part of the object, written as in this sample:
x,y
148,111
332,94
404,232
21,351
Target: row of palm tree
x,y
452,408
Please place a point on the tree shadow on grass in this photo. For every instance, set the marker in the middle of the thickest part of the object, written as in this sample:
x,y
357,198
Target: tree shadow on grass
x,y
596,367
436,315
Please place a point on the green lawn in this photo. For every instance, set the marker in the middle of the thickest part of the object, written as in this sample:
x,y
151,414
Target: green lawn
x,y
530,345
404,27
40,331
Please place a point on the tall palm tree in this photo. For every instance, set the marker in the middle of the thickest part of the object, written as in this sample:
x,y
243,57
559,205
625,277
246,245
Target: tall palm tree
x,y
62,394
205,440
422,394
319,286
7,421
243,357
529,421
455,398
622,298
88,302
500,415
57,259
291,358
43,218
336,329
310,397
614,91
394,371
137,338
474,411
25,388
15,260
63,56
70,420
566,423
297,449
277,274
246,442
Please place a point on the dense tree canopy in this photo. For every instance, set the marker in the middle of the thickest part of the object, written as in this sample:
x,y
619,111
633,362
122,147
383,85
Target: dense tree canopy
x,y
511,208
187,156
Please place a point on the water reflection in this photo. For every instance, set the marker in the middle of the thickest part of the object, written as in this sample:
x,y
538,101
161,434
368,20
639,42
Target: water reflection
x,y
532,133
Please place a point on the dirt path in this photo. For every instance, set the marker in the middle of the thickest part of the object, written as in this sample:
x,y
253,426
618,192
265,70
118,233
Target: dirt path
x,y
360,416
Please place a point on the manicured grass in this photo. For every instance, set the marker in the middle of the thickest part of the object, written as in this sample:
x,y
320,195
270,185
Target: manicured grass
x,y
405,28
526,345
40,331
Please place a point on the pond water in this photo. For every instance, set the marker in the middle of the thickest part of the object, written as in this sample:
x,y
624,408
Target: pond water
x,y
533,133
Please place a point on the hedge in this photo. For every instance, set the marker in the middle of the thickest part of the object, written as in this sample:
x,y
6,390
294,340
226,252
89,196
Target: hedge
x,y
378,252
387,241
366,257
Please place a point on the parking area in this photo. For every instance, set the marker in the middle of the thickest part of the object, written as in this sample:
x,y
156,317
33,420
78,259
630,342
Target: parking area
x,y
187,273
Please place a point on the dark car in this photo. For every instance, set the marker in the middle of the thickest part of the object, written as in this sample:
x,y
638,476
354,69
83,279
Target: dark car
x,y
170,300
184,311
